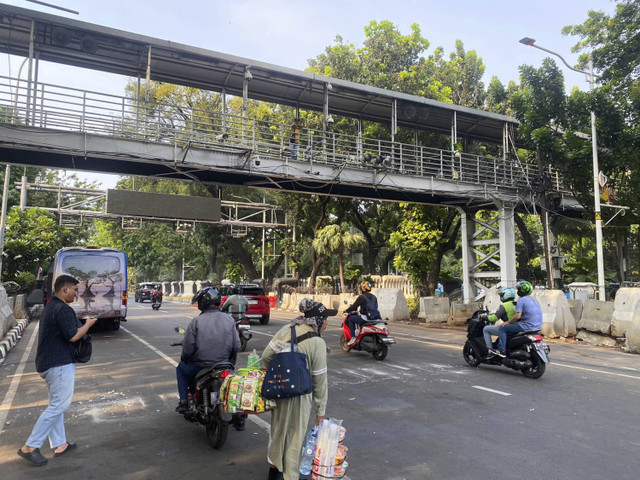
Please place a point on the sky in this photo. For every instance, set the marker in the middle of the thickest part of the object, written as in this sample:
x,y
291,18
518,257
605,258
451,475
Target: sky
x,y
289,32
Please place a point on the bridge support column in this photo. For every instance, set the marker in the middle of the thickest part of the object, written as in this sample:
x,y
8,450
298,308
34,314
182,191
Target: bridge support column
x,y
467,228
507,236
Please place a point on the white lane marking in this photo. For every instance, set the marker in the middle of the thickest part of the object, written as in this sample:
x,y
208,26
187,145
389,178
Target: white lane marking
x,y
154,349
262,333
596,371
13,387
629,368
505,394
375,372
396,366
258,421
261,423
190,318
414,338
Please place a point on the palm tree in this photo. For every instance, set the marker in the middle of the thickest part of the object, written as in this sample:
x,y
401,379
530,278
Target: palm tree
x,y
331,239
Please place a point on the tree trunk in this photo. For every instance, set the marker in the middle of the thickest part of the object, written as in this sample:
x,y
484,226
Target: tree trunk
x,y
317,260
544,217
341,260
524,257
243,256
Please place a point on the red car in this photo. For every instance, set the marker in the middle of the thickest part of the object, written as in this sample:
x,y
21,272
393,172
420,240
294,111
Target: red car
x,y
259,308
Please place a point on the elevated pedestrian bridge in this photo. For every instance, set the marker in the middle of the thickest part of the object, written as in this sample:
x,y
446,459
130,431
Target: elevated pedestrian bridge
x,y
85,130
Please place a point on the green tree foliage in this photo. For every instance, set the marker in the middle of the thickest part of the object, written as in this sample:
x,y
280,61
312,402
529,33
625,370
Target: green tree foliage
x,y
32,238
424,236
333,240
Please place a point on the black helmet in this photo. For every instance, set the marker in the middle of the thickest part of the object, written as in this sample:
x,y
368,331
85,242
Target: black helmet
x,y
207,297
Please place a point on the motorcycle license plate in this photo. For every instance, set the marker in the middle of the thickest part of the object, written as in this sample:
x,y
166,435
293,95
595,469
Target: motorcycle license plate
x,y
214,398
244,327
388,340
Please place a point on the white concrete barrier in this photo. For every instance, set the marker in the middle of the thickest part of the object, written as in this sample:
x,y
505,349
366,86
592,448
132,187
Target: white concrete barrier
x,y
19,309
392,304
189,289
175,289
596,316
434,309
632,334
166,288
461,312
557,320
286,299
624,307
576,307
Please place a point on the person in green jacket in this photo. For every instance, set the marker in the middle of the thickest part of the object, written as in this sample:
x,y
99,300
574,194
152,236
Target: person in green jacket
x,y
505,311
290,418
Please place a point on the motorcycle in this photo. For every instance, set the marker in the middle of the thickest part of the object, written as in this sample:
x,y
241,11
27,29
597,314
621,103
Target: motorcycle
x,y
156,302
203,403
526,351
373,337
243,327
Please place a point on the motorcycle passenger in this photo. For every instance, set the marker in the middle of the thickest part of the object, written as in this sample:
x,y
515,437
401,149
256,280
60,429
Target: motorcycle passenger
x,y
236,306
505,312
210,338
528,317
368,305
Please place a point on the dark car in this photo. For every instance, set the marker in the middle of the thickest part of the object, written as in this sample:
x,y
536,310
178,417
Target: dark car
x,y
259,308
144,291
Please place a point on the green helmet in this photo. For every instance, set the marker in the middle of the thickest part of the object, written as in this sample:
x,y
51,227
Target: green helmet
x,y
524,288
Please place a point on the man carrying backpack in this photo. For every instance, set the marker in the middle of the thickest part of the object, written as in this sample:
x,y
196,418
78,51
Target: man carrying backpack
x,y
368,305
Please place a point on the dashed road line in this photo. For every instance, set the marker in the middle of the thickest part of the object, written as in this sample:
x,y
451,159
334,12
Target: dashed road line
x,y
491,390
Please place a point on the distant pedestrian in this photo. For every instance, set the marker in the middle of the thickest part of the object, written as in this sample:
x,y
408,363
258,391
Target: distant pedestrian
x,y
59,328
294,141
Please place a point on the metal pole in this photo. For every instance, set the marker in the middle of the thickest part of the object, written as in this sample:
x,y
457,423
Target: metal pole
x,y
3,215
596,192
264,220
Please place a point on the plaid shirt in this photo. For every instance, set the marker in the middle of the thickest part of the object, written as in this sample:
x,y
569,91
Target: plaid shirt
x,y
57,326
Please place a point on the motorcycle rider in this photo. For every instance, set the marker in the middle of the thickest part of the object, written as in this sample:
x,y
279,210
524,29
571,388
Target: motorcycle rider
x,y
528,317
156,295
505,312
368,305
210,338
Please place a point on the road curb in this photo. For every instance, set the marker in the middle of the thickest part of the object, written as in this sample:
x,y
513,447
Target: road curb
x,y
12,337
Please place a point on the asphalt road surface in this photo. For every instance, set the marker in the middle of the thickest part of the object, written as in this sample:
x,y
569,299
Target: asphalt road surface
x,y
420,414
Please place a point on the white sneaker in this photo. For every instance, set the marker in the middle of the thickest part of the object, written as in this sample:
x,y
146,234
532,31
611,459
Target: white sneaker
x,y
352,341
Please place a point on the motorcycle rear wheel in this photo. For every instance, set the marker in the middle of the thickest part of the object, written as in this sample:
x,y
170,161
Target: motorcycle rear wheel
x,y
470,355
537,368
217,430
381,353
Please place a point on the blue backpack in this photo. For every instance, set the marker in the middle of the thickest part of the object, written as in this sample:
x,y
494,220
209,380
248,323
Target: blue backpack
x,y
371,307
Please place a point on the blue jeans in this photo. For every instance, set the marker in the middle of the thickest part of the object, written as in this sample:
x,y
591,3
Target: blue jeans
x,y
489,330
60,384
504,330
185,372
354,320
294,151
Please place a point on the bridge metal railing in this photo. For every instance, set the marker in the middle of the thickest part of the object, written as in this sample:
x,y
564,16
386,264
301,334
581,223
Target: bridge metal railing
x,y
69,109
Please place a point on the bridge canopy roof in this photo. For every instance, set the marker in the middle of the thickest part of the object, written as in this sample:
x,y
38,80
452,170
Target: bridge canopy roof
x,y
81,44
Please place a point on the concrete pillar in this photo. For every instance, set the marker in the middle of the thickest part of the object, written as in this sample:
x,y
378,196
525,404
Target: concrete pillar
x,y
506,226
468,256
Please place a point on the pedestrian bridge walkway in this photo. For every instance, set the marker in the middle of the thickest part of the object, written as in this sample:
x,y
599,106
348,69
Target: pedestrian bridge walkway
x,y
242,150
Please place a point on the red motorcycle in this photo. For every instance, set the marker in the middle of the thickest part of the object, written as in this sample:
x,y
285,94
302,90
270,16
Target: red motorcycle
x,y
373,337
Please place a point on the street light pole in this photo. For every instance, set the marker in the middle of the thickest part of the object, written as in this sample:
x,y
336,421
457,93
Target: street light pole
x,y
596,170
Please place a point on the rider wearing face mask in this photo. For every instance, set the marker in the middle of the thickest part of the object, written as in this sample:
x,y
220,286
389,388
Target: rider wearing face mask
x,y
368,305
